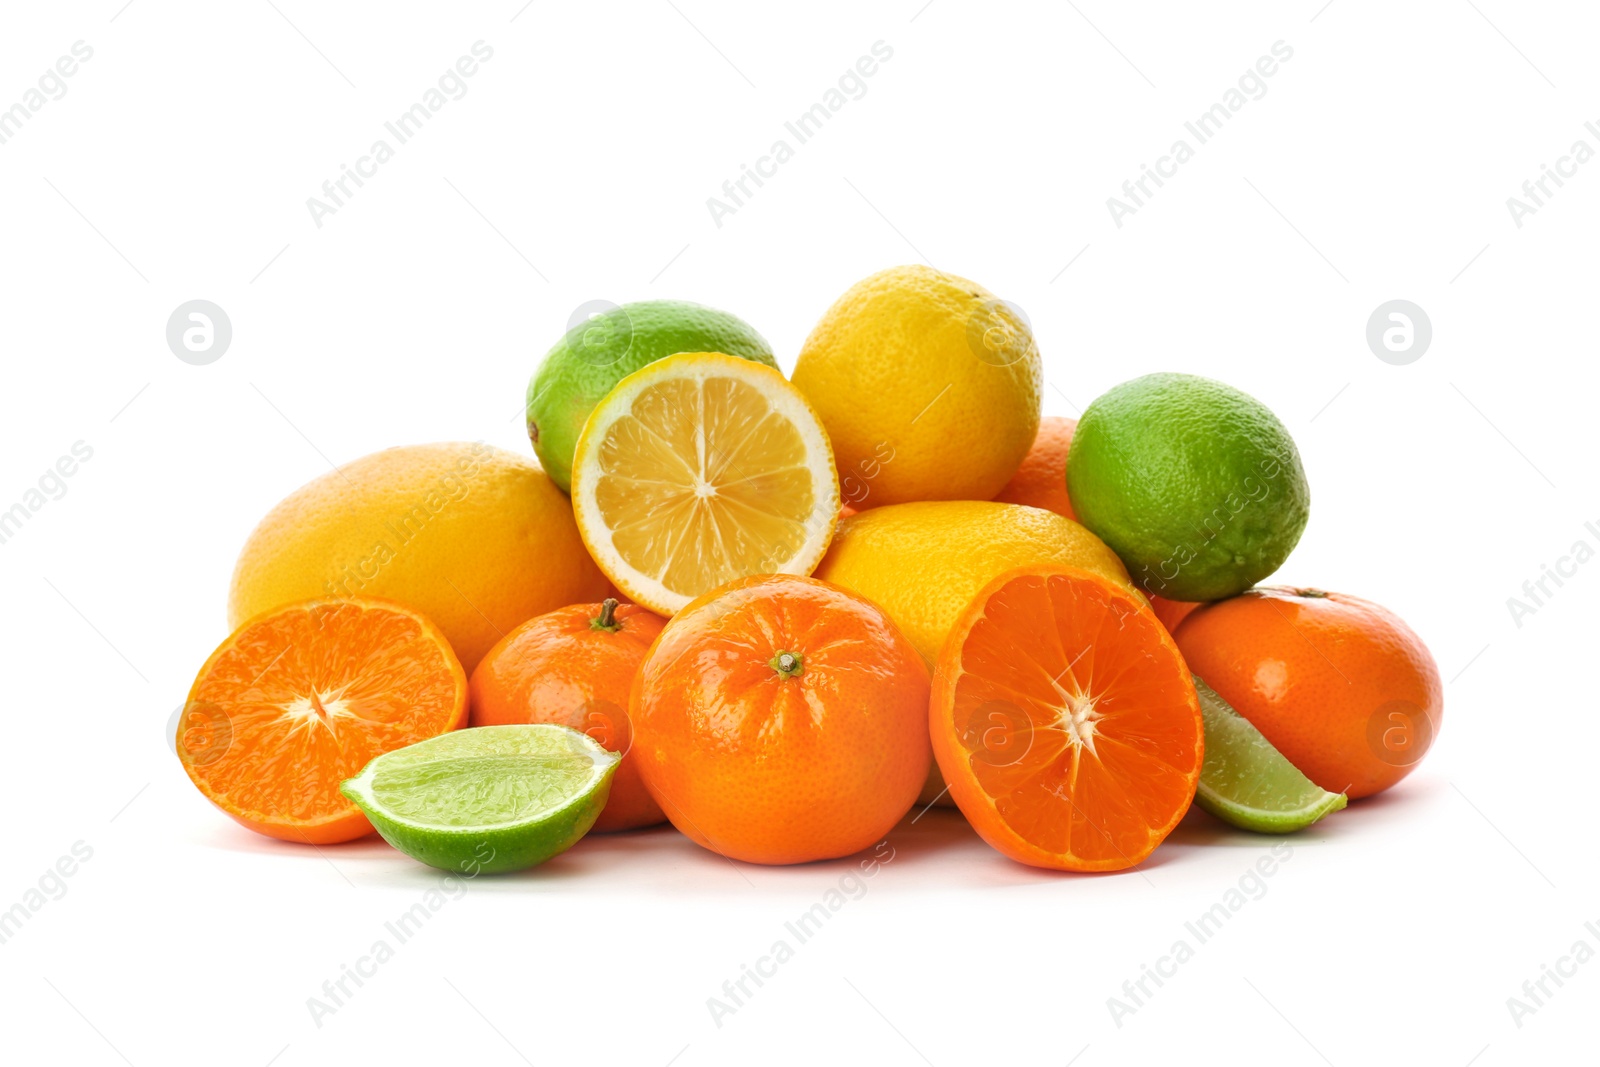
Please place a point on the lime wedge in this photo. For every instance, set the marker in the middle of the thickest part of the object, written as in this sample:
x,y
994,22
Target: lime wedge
x,y
489,799
1246,782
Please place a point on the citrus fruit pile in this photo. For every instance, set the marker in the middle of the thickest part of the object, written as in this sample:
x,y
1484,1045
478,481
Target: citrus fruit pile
x,y
780,613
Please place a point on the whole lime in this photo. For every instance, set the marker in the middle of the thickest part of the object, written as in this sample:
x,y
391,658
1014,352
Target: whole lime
x,y
600,351
1196,485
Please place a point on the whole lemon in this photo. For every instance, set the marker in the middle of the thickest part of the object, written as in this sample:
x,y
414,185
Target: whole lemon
x,y
924,562
928,385
476,538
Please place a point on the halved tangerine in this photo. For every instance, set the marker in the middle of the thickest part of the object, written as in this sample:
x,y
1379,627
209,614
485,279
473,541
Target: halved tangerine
x,y
302,697
1065,721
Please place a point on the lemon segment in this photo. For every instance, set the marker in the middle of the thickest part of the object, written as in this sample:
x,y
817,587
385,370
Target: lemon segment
x,y
698,469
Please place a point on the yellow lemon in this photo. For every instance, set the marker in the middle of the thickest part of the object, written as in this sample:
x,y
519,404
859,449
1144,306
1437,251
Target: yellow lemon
x,y
698,469
477,539
928,385
924,562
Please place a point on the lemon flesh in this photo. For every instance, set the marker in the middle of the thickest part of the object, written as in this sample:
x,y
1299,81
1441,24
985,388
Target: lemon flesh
x,y
598,352
699,469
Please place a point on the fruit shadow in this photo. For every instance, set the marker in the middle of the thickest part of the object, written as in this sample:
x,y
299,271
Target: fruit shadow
x,y
943,841
1199,829
371,862
935,841
930,850
675,864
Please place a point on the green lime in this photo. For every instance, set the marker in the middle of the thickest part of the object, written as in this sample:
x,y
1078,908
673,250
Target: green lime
x,y
1197,486
488,799
1246,782
600,351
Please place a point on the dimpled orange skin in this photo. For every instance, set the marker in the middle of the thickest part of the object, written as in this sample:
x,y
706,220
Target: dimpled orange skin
x,y
1041,481
560,668
1322,676
771,769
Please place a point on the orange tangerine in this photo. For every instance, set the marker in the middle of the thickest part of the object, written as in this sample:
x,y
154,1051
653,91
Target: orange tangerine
x,y
780,719
301,697
1065,721
574,667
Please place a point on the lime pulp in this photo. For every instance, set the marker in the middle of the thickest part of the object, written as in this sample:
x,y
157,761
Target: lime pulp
x,y
487,799
1246,782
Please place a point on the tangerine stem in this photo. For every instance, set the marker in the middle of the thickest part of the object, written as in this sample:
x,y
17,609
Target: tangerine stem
x,y
787,664
607,619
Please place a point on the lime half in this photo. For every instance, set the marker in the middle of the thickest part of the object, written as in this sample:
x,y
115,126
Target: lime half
x,y
1246,782
489,799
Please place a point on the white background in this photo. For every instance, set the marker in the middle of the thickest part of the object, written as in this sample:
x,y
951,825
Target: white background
x,y
577,167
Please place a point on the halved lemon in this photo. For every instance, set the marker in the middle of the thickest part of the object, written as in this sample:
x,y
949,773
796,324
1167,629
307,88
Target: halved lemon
x,y
698,469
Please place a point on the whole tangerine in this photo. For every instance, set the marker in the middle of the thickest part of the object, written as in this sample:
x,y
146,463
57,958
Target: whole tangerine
x,y
1341,686
574,667
780,719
